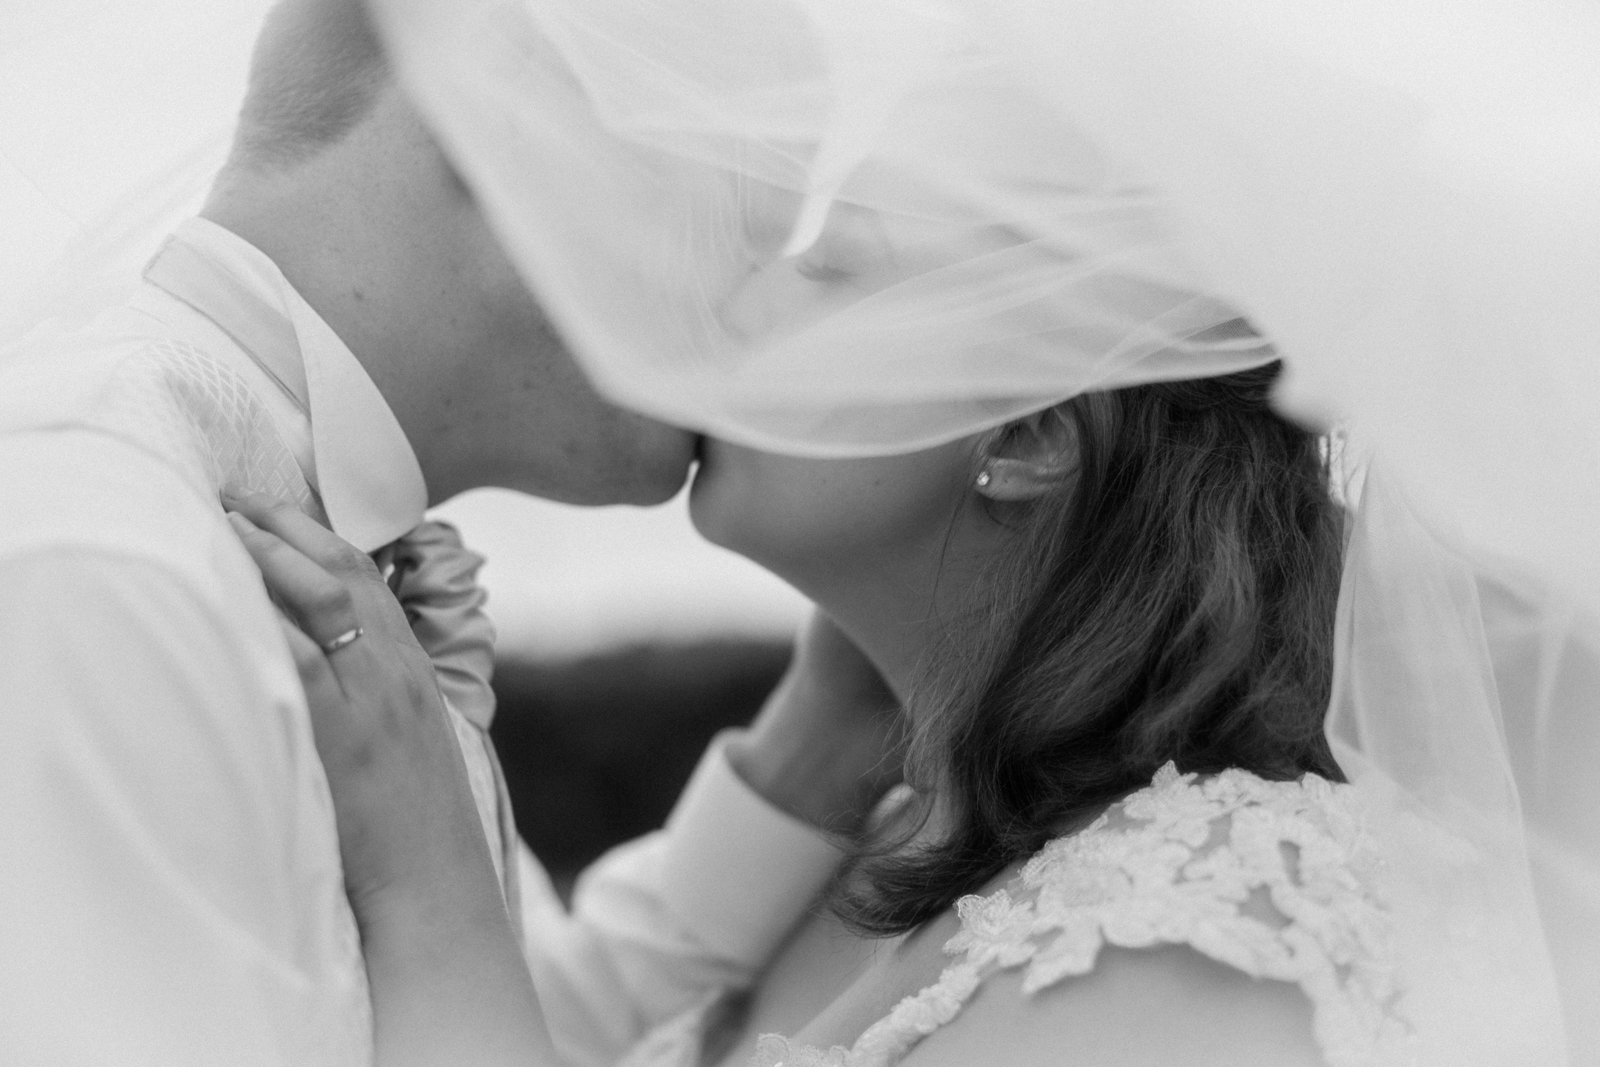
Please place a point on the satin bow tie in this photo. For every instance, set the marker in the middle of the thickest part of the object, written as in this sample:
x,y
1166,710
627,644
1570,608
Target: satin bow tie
x,y
434,576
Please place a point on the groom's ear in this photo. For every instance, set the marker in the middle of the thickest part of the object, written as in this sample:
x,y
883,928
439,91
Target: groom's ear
x,y
318,70
1030,458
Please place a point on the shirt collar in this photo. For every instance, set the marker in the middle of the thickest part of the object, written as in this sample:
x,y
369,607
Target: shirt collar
x,y
366,472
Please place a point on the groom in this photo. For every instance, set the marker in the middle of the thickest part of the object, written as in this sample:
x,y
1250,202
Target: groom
x,y
340,329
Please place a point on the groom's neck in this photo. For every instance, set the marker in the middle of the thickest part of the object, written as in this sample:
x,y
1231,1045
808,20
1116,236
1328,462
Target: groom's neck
x,y
363,231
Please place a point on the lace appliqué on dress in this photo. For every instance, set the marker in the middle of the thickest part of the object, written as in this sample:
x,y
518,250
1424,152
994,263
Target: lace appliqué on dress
x,y
1277,879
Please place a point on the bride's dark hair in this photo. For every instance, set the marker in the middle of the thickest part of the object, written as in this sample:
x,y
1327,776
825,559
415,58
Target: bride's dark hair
x,y
1175,603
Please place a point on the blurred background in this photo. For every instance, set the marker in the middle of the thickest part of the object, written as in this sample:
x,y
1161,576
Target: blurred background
x,y
626,641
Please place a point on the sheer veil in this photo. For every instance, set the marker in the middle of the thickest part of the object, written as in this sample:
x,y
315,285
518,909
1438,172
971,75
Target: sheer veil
x,y
837,227
113,120
844,227
1401,194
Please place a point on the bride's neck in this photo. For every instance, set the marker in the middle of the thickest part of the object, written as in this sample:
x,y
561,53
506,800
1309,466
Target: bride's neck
x,y
902,621
894,645
905,601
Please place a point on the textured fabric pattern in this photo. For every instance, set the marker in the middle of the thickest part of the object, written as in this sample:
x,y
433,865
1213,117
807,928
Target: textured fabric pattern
x,y
182,403
166,753
1278,879
196,412
189,404
349,465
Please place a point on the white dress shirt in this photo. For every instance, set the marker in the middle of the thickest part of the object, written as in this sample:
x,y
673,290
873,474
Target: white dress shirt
x,y
170,888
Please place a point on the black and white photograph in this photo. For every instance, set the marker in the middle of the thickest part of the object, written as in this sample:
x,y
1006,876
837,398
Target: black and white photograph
x,y
800,533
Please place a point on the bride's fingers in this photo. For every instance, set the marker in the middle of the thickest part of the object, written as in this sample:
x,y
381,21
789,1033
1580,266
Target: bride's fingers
x,y
299,530
317,601
317,676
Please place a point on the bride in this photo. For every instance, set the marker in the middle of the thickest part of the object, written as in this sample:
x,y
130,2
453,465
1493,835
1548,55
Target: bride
x,y
1103,601
1109,624
963,386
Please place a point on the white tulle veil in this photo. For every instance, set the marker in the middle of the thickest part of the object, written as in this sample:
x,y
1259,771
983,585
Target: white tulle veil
x,y
844,227
851,226
113,120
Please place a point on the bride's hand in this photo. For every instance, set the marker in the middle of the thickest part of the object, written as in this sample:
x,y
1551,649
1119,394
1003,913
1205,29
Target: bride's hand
x,y
444,965
407,822
827,744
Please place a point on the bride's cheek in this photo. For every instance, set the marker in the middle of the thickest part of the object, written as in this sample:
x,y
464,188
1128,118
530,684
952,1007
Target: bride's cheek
x,y
747,504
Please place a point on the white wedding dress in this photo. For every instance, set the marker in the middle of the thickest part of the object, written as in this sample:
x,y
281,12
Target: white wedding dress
x,y
1280,880
1397,193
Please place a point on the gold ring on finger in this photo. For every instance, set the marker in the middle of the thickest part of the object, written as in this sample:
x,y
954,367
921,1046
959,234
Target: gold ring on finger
x,y
344,640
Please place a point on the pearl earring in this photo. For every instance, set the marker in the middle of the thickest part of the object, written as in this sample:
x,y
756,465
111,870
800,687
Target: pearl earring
x,y
984,478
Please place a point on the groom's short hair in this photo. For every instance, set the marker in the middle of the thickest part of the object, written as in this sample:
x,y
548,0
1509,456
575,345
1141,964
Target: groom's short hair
x,y
317,71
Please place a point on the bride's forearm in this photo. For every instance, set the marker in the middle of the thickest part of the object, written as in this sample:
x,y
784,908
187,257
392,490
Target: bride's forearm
x,y
447,979
449,984
825,746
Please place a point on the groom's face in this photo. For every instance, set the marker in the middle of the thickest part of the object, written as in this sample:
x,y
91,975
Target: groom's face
x,y
353,198
460,346
517,399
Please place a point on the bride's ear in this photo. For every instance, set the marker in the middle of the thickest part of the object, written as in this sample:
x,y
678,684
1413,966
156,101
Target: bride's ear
x,y
1028,458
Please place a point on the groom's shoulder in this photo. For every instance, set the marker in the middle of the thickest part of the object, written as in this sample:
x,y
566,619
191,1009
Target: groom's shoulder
x,y
104,535
94,439
104,370
95,493
101,461
77,491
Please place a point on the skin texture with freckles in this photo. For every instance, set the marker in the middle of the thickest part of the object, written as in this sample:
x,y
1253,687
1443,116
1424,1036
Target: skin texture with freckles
x,y
380,236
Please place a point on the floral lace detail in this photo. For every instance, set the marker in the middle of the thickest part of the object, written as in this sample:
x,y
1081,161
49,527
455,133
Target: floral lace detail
x,y
775,1051
1277,879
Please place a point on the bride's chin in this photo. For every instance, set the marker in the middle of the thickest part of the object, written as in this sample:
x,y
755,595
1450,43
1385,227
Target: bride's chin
x,y
731,503
708,496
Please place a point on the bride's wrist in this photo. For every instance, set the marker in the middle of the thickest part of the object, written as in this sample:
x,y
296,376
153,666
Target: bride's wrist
x,y
828,779
421,874
417,916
